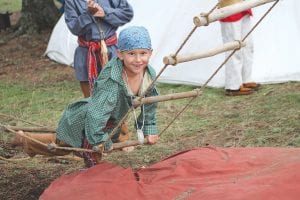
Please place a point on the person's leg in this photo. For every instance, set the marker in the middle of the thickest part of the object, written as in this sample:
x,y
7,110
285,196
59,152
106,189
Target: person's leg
x,y
247,51
32,148
80,69
124,136
85,88
233,74
90,159
124,133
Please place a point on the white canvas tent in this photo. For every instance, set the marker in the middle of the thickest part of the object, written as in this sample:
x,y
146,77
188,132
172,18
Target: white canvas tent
x,y
276,41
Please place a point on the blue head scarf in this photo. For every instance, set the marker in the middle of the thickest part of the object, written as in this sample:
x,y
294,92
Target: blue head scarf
x,y
134,37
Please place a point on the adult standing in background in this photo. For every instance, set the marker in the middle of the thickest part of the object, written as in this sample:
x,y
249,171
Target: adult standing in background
x,y
238,69
94,21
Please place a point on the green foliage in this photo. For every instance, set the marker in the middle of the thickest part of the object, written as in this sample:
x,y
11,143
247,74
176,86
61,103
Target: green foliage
x,y
10,5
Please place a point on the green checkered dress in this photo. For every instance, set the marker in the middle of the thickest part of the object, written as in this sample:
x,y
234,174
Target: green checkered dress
x,y
110,102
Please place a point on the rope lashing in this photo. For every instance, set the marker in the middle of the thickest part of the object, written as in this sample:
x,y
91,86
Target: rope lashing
x,y
51,146
241,44
166,65
202,20
197,21
170,60
218,69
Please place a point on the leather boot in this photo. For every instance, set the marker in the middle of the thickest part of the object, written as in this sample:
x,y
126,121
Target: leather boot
x,y
239,92
252,85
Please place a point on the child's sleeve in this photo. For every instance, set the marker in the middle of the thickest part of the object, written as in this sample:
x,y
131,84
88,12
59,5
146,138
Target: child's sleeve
x,y
100,108
119,13
78,21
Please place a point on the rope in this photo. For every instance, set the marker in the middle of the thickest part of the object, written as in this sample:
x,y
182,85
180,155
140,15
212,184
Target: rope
x,y
148,89
48,146
218,69
217,4
165,66
206,15
259,21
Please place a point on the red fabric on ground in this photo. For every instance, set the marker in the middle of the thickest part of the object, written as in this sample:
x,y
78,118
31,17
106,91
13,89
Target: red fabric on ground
x,y
203,173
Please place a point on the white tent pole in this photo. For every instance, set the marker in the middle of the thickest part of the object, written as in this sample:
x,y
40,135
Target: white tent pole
x,y
204,19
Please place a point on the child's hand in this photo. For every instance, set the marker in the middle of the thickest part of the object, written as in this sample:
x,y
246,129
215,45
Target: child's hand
x,y
152,139
95,9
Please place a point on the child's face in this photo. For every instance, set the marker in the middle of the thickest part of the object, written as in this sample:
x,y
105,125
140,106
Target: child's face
x,y
136,60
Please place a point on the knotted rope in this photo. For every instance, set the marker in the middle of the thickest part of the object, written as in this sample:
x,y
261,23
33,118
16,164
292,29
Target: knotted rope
x,y
130,143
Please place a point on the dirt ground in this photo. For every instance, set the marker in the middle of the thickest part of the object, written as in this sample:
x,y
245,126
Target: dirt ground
x,y
22,59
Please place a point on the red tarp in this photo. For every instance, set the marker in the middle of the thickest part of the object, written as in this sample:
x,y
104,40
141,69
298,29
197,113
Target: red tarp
x,y
203,173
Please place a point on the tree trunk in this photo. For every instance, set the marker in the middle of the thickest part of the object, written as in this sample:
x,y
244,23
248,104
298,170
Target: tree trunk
x,y
37,15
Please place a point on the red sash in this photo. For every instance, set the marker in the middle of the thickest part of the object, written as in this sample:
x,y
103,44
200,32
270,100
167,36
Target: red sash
x,y
237,16
91,58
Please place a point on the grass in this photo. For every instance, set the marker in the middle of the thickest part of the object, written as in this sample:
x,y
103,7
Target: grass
x,y
10,5
15,5
38,104
268,118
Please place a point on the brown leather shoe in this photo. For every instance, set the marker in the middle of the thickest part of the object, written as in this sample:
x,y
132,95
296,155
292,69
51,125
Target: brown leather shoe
x,y
251,85
241,91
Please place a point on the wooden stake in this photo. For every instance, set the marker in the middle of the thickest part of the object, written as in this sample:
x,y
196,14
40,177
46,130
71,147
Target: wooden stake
x,y
33,129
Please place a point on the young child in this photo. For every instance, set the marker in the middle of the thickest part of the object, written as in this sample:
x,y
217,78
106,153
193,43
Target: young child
x,y
88,122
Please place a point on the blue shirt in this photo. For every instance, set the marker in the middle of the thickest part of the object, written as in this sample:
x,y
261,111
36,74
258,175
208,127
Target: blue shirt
x,y
83,24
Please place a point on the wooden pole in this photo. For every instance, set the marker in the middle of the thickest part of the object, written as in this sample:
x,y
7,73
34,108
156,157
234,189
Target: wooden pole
x,y
128,143
136,103
203,19
33,129
53,147
48,146
25,136
173,60
155,99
